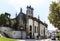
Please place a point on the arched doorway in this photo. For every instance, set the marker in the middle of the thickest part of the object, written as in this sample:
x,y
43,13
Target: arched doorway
x,y
30,34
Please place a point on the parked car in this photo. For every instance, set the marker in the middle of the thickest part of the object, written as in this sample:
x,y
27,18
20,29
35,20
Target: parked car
x,y
53,37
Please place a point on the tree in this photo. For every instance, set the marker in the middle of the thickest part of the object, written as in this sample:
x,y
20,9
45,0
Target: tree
x,y
5,19
58,36
8,20
54,15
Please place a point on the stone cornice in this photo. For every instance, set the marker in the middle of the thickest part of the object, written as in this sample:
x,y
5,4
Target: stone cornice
x,y
38,20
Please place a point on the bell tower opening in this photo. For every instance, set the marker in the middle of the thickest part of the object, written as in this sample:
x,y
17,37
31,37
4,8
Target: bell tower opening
x,y
29,11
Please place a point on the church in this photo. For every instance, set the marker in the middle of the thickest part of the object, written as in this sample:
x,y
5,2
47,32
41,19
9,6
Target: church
x,y
25,26
30,27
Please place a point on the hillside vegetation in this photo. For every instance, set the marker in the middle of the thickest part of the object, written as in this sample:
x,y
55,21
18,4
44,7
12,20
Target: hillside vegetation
x,y
6,39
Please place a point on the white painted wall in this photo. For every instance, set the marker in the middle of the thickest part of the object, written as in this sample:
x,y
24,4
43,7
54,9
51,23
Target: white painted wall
x,y
35,25
13,34
5,29
46,31
16,34
41,29
30,22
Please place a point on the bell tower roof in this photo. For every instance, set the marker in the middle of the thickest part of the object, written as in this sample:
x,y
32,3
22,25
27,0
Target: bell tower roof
x,y
30,7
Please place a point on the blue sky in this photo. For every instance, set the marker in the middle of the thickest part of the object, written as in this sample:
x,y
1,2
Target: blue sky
x,y
41,8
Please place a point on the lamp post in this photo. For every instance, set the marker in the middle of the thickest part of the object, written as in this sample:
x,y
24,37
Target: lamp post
x,y
44,32
21,31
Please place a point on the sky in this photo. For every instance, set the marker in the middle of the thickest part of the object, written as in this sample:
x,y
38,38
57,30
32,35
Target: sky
x,y
41,8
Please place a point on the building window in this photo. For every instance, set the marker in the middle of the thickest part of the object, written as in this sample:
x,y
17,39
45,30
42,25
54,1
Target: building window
x,y
30,28
35,28
41,31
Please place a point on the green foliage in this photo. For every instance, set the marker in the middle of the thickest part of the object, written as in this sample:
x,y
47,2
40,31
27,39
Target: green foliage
x,y
6,39
5,19
54,15
58,36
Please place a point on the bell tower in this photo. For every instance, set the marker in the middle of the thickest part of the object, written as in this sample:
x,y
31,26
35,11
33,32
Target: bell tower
x,y
29,11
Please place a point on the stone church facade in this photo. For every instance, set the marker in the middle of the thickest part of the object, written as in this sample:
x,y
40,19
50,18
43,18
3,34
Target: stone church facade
x,y
30,26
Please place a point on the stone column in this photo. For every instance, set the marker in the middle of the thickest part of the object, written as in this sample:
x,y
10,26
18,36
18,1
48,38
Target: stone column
x,y
38,29
27,31
33,29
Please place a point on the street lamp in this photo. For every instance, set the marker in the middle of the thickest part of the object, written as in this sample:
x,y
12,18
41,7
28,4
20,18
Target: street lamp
x,y
21,31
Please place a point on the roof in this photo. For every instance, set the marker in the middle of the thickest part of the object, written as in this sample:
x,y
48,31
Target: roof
x,y
38,20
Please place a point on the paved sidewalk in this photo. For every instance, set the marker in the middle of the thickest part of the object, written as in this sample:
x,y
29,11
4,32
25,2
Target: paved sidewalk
x,y
36,40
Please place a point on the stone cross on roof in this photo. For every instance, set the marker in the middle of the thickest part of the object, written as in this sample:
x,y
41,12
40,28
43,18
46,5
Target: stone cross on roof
x,y
20,9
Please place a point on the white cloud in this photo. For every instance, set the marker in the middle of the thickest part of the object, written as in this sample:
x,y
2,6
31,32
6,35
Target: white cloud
x,y
23,3
26,2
